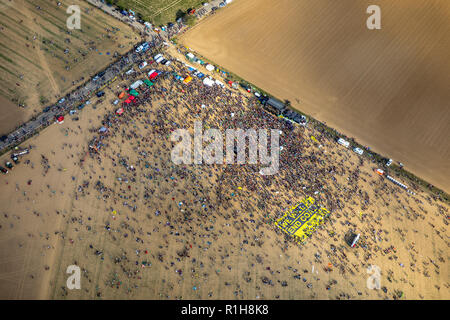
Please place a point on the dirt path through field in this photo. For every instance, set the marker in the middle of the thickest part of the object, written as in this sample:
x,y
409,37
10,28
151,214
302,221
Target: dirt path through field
x,y
43,61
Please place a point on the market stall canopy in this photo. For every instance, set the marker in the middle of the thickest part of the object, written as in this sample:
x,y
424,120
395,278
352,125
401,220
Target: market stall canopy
x,y
134,93
210,67
121,95
148,82
208,82
220,83
187,79
136,84
119,111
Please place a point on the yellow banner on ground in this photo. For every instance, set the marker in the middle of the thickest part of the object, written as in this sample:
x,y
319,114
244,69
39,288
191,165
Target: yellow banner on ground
x,y
302,219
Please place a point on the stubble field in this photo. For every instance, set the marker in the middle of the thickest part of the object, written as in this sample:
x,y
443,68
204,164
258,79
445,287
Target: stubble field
x,y
41,59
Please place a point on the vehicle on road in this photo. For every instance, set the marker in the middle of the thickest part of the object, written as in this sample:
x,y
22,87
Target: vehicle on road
x,y
143,65
100,94
358,151
343,142
9,165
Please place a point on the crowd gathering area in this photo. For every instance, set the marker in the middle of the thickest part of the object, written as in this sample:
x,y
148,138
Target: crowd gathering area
x,y
142,227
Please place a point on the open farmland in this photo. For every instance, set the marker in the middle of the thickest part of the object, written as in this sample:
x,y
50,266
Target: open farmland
x,y
386,88
158,12
42,60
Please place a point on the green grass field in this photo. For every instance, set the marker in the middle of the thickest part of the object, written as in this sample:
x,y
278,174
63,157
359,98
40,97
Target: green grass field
x,y
158,12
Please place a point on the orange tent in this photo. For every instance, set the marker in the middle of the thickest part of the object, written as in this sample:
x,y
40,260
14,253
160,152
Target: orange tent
x,y
121,95
188,79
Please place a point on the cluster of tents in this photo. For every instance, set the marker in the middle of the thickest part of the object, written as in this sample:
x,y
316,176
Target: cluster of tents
x,y
132,90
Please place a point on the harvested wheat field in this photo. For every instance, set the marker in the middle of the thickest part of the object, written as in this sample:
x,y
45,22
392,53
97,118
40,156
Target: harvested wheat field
x,y
41,59
388,88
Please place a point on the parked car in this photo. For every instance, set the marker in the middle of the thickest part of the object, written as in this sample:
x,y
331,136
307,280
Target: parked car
x,y
358,151
143,65
3,170
100,94
389,163
46,109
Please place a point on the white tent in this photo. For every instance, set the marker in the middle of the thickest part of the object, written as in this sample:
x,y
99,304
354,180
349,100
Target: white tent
x,y
208,82
210,67
220,83
136,84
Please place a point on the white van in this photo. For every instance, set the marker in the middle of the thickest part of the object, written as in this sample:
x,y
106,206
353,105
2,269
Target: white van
x,y
358,151
343,142
159,59
143,65
159,55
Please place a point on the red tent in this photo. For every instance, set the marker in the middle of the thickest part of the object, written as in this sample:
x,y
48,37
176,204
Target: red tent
x,y
153,75
60,119
128,101
131,98
119,111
